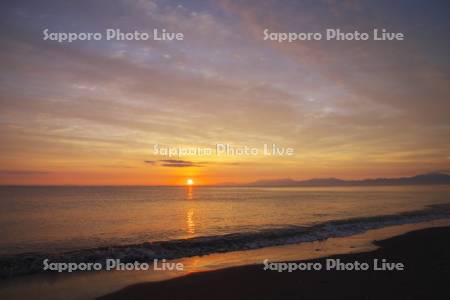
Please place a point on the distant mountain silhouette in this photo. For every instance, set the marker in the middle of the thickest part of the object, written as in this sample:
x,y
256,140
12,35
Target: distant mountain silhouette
x,y
423,179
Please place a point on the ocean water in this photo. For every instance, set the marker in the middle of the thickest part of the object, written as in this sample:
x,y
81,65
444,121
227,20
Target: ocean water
x,y
142,223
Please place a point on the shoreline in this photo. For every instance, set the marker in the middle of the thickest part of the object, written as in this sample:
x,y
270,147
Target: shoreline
x,y
425,254
54,286
29,263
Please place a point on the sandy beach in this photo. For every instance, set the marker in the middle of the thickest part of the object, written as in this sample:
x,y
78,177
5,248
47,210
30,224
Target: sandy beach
x,y
424,253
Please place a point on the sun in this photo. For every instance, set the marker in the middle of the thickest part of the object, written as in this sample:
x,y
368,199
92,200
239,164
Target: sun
x,y
190,182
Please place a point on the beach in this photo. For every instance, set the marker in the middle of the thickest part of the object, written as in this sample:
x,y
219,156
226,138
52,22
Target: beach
x,y
424,253
210,231
224,149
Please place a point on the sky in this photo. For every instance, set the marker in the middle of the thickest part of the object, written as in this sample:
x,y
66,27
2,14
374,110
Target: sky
x,y
90,112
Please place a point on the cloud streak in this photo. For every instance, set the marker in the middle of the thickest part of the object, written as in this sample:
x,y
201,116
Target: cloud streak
x,y
351,108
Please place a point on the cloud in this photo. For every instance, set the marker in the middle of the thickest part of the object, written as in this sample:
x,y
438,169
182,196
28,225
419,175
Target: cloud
x,y
174,163
23,172
87,102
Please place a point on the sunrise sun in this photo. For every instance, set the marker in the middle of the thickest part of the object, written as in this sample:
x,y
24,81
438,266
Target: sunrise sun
x,y
189,182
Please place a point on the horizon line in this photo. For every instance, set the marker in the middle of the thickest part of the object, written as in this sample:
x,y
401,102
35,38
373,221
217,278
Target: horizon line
x,y
224,184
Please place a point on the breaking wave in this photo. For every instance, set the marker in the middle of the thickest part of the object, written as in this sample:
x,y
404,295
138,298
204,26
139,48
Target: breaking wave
x,y
28,263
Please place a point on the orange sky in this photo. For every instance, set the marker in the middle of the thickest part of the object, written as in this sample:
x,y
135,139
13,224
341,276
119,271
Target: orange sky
x,y
90,112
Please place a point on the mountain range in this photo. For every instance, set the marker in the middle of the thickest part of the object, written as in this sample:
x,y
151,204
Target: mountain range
x,y
422,179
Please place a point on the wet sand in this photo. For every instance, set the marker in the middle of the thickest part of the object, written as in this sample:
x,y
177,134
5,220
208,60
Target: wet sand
x,y
425,254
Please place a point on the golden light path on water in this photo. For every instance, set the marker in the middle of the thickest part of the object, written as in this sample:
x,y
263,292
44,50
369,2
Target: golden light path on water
x,y
190,211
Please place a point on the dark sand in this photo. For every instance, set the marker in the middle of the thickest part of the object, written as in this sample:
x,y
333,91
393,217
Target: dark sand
x,y
425,253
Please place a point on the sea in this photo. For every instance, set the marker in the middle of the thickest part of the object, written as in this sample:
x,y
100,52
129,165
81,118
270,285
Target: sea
x,y
136,223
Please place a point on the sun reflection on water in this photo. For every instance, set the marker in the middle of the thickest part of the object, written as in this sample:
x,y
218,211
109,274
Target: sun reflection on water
x,y
190,221
190,212
189,192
